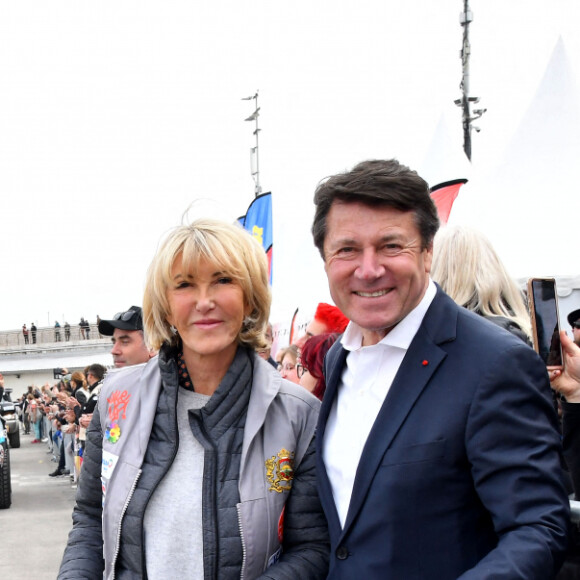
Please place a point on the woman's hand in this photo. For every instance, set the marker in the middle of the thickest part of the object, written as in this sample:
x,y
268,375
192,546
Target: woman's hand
x,y
85,420
70,428
70,416
71,403
567,382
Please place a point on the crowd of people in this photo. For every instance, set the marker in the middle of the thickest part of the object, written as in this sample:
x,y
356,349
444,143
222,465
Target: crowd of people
x,y
411,432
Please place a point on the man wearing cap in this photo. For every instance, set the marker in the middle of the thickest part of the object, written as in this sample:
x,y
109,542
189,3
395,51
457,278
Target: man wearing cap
x,y
574,322
126,330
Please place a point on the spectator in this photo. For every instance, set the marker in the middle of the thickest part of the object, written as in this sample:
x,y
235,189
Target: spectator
x,y
25,333
24,414
67,418
266,353
327,318
34,417
56,331
33,330
574,321
126,330
79,387
310,369
288,363
85,328
469,270
67,331
95,375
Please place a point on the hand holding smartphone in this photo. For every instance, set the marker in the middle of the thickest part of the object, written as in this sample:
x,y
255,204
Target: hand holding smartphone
x,y
543,303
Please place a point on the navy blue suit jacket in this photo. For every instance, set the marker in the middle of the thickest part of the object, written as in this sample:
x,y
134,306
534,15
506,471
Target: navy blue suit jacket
x,y
460,475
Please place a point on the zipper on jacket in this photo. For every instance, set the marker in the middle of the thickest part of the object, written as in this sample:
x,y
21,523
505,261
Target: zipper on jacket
x,y
118,542
243,542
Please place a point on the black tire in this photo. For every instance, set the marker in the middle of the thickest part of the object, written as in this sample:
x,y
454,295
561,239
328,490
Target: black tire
x,y
14,439
5,487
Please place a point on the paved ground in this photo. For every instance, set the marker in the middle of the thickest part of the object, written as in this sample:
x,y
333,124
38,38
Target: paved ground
x,y
34,530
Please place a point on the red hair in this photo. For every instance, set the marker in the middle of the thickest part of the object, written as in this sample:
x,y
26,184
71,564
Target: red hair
x,y
334,319
312,357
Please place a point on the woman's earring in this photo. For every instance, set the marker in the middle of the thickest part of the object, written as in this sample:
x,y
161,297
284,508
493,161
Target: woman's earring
x,y
173,330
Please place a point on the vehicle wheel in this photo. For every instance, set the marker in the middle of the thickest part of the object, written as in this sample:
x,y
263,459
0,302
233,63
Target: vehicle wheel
x,y
5,488
14,439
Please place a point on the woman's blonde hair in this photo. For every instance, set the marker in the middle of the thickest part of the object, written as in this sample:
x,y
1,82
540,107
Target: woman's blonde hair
x,y
234,252
467,267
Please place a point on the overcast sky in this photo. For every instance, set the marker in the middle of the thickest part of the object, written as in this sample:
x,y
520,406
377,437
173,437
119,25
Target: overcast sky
x,y
116,117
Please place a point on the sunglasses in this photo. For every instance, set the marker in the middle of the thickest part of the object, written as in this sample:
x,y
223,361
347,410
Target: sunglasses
x,y
125,316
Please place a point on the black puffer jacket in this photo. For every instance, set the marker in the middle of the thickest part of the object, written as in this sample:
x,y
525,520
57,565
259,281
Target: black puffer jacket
x,y
219,427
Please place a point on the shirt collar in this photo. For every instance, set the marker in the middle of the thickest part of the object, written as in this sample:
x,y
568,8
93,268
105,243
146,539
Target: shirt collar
x,y
402,334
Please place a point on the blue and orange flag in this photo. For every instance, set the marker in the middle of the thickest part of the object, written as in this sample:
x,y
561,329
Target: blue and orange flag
x,y
443,195
258,221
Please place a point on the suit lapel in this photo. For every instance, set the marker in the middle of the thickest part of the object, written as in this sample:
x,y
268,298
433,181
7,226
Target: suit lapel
x,y
420,363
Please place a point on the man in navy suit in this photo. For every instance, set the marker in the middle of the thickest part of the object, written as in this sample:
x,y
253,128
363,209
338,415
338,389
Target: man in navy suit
x,y
438,450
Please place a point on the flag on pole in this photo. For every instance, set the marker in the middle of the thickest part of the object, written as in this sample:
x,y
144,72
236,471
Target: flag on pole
x,y
258,221
444,194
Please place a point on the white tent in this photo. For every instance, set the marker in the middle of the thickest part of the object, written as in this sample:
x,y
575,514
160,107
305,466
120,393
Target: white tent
x,y
523,203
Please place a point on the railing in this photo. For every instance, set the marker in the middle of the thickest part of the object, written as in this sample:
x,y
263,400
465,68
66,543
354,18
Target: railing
x,y
48,335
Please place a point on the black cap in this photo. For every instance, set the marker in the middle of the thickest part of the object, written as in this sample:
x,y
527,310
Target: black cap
x,y
573,316
131,319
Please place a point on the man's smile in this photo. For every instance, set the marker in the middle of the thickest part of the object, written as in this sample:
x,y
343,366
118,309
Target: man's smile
x,y
374,294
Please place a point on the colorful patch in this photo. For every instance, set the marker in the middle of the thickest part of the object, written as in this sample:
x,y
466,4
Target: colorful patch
x,y
280,473
118,402
112,433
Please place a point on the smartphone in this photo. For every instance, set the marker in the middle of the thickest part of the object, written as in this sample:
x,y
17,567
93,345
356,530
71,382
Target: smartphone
x,y
543,303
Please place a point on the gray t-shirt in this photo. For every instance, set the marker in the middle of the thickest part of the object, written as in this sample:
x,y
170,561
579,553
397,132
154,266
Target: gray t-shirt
x,y
173,518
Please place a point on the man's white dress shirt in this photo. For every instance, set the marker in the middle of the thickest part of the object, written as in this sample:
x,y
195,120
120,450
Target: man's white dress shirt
x,y
366,380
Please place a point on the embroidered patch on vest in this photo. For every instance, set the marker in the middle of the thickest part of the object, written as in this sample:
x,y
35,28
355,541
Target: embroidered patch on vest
x,y
112,433
118,402
280,472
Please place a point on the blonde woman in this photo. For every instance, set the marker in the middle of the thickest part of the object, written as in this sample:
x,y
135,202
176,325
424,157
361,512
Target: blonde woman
x,y
468,269
200,463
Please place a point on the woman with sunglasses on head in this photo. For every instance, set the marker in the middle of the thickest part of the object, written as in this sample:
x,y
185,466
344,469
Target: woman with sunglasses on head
x,y
200,464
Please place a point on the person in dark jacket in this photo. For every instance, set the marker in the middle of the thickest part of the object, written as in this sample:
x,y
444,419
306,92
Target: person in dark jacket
x,y
200,463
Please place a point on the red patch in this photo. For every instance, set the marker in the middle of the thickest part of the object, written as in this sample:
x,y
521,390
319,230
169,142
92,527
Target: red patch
x,y
281,526
118,402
